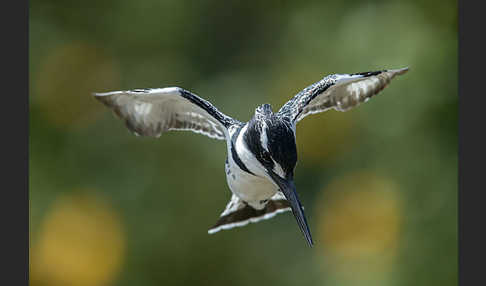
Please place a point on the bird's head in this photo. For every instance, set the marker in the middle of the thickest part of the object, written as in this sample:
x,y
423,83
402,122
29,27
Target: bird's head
x,y
271,139
263,111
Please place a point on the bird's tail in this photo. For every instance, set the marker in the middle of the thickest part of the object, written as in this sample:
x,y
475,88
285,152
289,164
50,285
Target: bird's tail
x,y
240,213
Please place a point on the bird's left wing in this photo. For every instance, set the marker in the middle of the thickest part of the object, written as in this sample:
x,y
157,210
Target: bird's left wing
x,y
338,91
150,112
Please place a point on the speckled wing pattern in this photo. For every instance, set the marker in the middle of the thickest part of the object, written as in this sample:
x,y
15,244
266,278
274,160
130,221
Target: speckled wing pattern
x,y
338,91
153,111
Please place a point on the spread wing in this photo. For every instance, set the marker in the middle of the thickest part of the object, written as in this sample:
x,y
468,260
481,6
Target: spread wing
x,y
339,91
150,112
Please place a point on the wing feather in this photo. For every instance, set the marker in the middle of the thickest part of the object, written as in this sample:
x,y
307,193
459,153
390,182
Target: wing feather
x,y
151,112
338,91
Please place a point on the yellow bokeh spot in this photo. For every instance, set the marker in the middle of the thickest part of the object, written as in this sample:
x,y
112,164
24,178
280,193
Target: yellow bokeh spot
x,y
359,224
66,79
81,243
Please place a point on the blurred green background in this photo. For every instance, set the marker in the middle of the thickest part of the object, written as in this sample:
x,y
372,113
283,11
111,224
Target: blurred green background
x,y
379,183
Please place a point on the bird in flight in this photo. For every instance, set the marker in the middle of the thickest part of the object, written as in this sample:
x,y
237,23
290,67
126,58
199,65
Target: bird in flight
x,y
262,153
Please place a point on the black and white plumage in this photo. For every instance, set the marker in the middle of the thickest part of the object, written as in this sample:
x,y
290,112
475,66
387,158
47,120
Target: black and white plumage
x,y
262,153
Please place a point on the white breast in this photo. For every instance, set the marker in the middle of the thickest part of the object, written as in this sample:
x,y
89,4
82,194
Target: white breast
x,y
248,187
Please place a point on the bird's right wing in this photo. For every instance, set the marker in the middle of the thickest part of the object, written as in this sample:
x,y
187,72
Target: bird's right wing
x,y
338,91
151,112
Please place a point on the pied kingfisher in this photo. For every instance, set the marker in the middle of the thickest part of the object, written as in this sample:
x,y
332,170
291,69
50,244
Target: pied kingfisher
x,y
261,152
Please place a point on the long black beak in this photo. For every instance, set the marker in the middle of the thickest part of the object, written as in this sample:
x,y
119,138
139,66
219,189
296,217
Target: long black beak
x,y
287,186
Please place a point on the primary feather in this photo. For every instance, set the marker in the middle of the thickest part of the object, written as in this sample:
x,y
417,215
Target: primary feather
x,y
338,91
151,112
